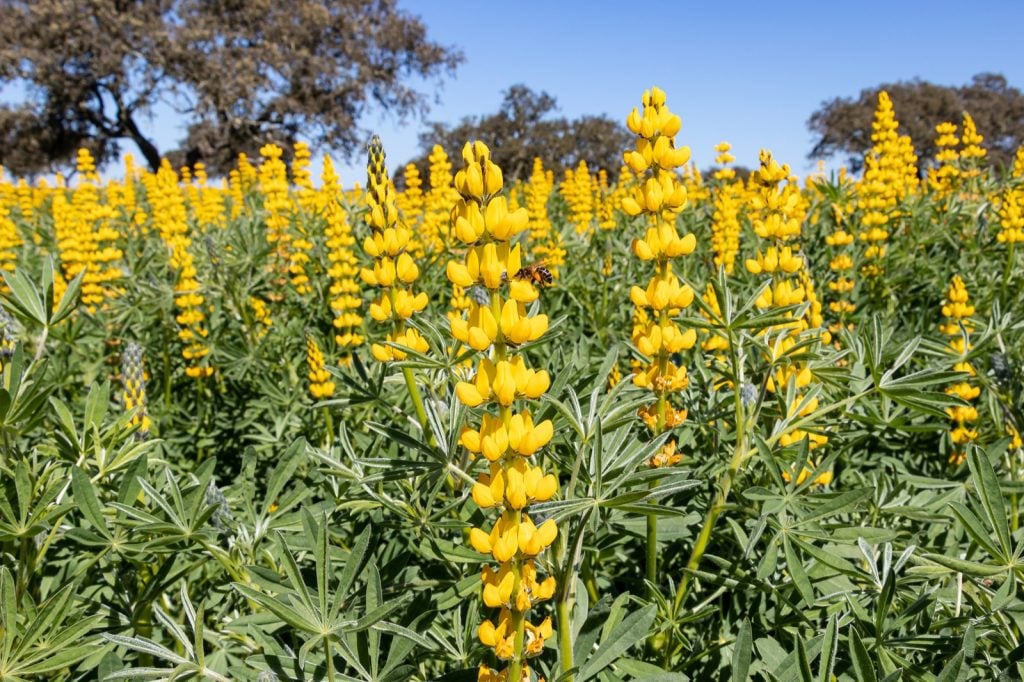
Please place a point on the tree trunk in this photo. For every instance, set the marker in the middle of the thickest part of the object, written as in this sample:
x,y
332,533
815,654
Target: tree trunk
x,y
147,148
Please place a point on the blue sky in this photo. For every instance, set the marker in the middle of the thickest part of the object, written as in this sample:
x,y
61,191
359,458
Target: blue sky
x,y
747,72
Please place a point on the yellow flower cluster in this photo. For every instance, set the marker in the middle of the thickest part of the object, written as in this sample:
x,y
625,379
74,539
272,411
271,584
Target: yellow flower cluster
x,y
696,191
659,196
273,184
824,478
241,181
971,152
170,220
133,383
890,173
10,240
301,244
412,201
606,202
546,243
394,271
714,341
438,201
85,239
320,384
1011,205
957,311
208,202
777,217
262,317
577,189
943,178
727,198
841,264
508,440
23,198
343,268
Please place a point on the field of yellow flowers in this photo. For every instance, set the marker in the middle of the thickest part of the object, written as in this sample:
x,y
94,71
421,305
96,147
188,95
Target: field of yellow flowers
x,y
653,426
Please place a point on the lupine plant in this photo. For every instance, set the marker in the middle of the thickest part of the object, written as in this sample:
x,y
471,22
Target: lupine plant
x,y
605,424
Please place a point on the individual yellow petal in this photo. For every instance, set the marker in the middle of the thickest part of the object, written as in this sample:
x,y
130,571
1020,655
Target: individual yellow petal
x,y
468,394
480,540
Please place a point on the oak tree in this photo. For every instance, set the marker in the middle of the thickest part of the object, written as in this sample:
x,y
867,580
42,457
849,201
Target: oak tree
x,y
239,72
843,125
525,127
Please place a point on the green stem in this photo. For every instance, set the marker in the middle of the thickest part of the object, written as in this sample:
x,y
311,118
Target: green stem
x,y
564,610
652,549
739,456
662,409
41,344
1014,509
417,400
329,427
1007,272
589,582
515,669
330,659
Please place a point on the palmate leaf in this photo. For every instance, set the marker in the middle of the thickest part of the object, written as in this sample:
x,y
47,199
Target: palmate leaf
x,y
986,486
24,299
56,637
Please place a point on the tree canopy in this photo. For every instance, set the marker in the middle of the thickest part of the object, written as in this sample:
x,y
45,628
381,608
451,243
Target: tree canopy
x,y
240,72
843,125
524,128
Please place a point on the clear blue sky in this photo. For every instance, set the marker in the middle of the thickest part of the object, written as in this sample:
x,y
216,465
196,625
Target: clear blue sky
x,y
747,72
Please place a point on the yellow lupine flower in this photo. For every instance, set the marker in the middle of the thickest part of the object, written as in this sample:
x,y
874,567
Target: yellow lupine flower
x,y
345,299
394,271
169,215
320,384
890,172
658,195
498,322
727,202
957,311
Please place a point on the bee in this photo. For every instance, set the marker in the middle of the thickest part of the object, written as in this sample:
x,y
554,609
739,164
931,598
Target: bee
x,y
537,274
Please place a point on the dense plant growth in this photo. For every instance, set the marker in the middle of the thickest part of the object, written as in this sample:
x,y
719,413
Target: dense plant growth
x,y
662,428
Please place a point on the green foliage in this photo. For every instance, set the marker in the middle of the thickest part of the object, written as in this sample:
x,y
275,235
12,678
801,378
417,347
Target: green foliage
x,y
257,533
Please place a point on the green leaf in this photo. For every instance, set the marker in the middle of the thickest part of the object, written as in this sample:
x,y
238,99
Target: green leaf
x,y
633,629
352,567
796,571
741,654
802,661
863,667
951,672
986,485
972,524
829,649
282,473
25,298
836,505
279,609
68,300
88,503
322,561
964,566
8,611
